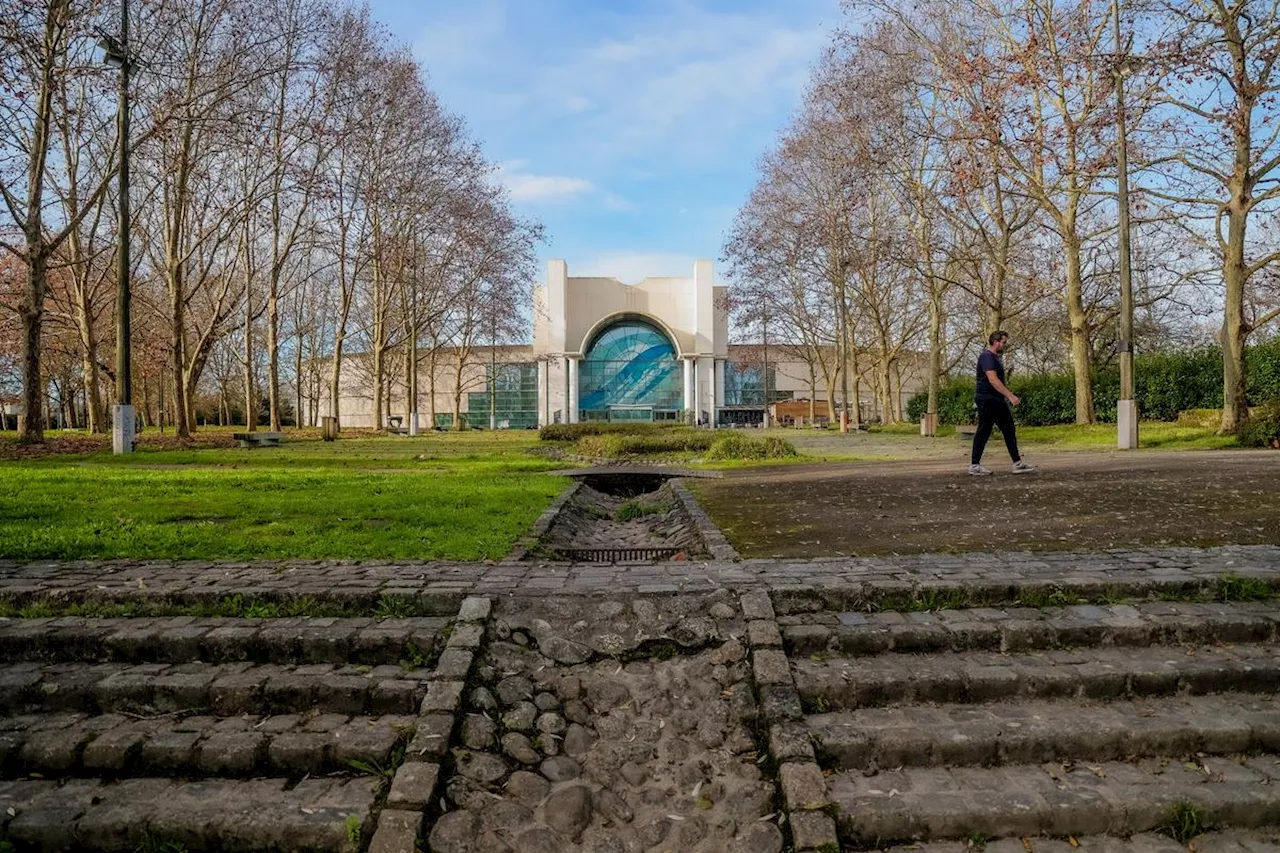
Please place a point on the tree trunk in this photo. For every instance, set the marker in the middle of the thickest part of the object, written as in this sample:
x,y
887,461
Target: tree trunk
x,y
1235,329
1081,354
273,357
935,356
250,404
32,423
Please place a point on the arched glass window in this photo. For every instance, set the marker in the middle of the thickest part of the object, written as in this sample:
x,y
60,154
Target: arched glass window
x,y
631,365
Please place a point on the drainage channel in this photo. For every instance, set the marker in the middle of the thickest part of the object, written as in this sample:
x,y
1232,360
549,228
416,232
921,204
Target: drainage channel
x,y
622,514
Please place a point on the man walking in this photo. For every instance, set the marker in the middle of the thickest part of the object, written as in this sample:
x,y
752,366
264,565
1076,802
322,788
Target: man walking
x,y
994,401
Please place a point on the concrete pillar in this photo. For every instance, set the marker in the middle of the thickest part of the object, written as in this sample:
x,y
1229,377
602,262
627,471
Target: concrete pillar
x,y
1127,421
544,392
572,415
413,423
123,428
690,402
719,383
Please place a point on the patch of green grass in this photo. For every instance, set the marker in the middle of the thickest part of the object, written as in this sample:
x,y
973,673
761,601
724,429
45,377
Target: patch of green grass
x,y
815,704
1151,434
467,509
631,510
1234,588
354,830
1185,821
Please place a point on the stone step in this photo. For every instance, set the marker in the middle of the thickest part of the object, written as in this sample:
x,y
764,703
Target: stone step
x,y
77,745
1100,673
1230,841
1107,798
1025,628
1045,730
182,639
329,815
224,689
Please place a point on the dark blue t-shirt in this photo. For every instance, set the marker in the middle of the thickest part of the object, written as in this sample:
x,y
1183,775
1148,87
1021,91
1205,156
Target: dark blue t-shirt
x,y
989,361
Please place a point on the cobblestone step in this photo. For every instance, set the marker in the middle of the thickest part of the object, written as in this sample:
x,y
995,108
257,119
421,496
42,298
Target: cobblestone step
x,y
1039,730
315,815
1109,798
1100,673
116,745
182,639
1209,842
222,689
1025,628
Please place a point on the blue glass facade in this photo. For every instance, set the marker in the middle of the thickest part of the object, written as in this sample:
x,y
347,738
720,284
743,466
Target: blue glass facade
x,y
630,368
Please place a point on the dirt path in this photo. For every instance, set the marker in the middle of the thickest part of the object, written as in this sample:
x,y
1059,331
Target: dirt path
x,y
1078,500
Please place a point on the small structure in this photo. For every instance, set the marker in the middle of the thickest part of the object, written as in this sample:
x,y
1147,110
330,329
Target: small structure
x,y
258,439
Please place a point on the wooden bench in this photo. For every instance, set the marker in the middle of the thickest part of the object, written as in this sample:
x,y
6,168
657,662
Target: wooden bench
x,y
966,432
258,439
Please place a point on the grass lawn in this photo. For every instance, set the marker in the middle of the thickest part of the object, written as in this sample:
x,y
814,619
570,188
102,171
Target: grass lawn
x,y
465,496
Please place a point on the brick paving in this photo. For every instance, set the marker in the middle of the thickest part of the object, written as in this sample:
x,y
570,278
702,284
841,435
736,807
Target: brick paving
x,y
443,585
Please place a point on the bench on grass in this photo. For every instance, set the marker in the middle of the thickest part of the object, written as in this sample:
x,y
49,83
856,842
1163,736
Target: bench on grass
x,y
258,439
966,432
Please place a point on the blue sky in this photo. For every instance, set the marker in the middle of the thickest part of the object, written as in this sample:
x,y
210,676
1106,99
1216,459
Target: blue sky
x,y
630,128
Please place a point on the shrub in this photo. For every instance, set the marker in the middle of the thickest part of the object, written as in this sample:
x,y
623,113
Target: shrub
x,y
1262,367
955,403
1263,427
573,432
734,446
1165,384
1046,399
614,446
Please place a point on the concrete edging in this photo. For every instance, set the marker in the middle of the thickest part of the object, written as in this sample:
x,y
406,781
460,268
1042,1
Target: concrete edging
x,y
717,545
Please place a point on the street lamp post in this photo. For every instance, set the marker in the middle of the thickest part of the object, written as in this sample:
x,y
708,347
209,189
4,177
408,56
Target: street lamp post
x,y
123,424
1127,407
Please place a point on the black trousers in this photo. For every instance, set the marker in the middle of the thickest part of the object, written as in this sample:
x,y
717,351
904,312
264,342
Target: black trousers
x,y
994,413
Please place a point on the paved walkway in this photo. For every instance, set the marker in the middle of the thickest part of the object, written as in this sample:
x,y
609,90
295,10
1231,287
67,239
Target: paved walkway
x,y
450,581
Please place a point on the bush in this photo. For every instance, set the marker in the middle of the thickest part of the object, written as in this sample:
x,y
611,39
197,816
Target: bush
x,y
1262,367
615,446
573,432
955,403
1263,427
1046,399
735,446
1165,384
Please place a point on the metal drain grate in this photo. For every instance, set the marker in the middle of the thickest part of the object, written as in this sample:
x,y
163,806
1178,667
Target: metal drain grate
x,y
615,555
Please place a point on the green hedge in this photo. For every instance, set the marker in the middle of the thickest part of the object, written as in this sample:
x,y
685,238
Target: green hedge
x,y
1263,427
1165,384
734,446
614,446
573,432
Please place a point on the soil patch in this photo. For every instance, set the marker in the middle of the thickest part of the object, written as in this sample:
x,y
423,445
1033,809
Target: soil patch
x,y
1076,501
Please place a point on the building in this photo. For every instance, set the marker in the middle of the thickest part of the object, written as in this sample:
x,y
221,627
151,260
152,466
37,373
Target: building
x,y
604,350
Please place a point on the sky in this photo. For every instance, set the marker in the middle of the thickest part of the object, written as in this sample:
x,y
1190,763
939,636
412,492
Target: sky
x,y
630,128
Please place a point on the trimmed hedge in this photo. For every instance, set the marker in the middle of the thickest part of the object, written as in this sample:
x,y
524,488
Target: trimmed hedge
x,y
1165,384
573,432
614,446
734,446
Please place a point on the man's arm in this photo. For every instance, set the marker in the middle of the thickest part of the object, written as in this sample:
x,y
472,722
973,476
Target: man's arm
x,y
1001,389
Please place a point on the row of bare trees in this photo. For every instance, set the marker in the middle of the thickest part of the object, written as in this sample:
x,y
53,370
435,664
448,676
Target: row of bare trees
x,y
952,170
298,192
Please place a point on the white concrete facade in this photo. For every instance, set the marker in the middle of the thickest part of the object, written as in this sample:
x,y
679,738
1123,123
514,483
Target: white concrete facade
x,y
571,313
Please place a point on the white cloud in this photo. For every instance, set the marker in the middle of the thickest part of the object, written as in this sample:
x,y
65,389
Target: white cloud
x,y
525,187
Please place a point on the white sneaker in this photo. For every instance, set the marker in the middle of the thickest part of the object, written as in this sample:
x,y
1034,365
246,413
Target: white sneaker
x,y
1023,467
979,471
